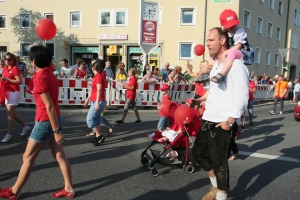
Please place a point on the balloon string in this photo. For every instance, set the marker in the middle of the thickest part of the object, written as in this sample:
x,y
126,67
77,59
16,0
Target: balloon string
x,y
45,42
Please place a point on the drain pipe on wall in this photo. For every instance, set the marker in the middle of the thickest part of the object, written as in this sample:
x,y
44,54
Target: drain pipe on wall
x,y
205,19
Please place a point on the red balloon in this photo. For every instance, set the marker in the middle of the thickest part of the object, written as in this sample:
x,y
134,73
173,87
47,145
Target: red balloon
x,y
45,29
199,50
164,108
184,115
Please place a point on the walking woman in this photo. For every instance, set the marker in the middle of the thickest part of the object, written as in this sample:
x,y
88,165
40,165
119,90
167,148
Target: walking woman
x,y
98,102
11,81
47,128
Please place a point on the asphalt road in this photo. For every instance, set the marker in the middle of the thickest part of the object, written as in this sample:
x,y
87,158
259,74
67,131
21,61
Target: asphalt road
x,y
268,167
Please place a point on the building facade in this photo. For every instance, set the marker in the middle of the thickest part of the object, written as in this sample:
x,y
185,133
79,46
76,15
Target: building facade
x,y
109,30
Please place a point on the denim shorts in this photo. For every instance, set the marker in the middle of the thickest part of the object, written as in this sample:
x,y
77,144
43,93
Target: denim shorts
x,y
93,117
42,131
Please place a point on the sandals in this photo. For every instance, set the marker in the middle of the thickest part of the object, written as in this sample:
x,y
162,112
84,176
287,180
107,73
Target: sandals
x,y
111,129
219,78
233,157
91,134
202,79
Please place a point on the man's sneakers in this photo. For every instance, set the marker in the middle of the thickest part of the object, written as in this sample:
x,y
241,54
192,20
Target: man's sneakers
x,y
120,122
99,140
280,113
6,138
138,122
64,193
212,194
272,112
26,129
8,194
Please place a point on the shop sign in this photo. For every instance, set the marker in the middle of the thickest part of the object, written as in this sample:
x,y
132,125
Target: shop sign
x,y
134,57
87,56
222,1
149,32
112,36
112,48
85,49
139,50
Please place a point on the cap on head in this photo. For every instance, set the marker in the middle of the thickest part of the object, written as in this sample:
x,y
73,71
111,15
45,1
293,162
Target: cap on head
x,y
228,18
165,87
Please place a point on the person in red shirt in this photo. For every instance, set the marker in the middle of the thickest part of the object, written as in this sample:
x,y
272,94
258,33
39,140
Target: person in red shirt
x,y
131,87
81,71
47,128
163,121
98,102
11,81
252,90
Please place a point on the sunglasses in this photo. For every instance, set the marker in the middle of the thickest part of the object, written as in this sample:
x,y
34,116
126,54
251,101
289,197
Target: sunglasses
x,y
8,59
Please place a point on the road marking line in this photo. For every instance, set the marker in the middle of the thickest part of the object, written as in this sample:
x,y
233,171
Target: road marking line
x,y
271,157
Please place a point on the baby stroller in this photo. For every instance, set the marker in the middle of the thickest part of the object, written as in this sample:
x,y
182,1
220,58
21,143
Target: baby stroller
x,y
180,144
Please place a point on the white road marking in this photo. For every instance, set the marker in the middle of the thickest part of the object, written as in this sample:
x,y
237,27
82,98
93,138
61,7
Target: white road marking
x,y
271,157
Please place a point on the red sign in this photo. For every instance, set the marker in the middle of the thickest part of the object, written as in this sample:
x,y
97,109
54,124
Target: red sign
x,y
149,32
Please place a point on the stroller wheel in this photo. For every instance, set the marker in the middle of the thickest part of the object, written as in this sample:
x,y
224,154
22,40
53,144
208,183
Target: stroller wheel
x,y
189,169
144,161
154,172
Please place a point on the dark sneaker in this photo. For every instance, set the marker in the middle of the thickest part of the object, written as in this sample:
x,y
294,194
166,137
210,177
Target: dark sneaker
x,y
99,140
138,122
120,122
251,124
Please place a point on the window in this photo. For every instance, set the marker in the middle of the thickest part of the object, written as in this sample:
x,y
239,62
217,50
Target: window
x,y
271,4
3,22
49,16
295,40
75,19
298,18
295,16
268,57
51,47
247,17
24,49
185,50
113,17
259,25
257,55
278,33
187,16
2,0
270,30
280,11
121,18
276,60
160,16
24,21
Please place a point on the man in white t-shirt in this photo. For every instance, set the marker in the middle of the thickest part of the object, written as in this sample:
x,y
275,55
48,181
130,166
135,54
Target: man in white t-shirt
x,y
296,91
225,102
65,70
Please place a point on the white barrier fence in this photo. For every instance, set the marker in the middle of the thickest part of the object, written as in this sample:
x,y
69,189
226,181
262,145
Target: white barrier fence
x,y
75,92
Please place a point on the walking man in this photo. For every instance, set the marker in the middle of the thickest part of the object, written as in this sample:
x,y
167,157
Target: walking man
x,y
214,136
279,94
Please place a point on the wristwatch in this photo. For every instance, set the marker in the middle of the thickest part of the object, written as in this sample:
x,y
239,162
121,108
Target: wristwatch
x,y
56,131
229,124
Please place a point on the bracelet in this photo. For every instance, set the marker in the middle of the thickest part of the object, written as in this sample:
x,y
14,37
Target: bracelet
x,y
57,131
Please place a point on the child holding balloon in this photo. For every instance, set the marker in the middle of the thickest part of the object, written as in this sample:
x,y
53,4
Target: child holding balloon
x,y
239,47
163,121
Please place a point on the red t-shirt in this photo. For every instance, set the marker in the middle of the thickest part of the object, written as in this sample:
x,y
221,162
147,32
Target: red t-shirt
x,y
11,74
131,94
98,79
200,90
45,82
252,86
166,97
81,74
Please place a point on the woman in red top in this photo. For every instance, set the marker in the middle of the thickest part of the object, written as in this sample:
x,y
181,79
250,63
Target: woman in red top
x,y
11,81
131,87
47,128
98,102
81,71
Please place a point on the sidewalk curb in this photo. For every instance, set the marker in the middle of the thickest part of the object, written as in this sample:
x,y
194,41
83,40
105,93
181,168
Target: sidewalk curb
x,y
106,112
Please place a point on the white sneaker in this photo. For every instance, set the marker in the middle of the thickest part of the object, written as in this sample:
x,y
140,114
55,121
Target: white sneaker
x,y
7,138
280,113
272,112
25,130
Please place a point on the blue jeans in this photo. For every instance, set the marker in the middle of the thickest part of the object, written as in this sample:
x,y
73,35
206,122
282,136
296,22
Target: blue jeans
x,y
42,131
93,117
250,107
162,123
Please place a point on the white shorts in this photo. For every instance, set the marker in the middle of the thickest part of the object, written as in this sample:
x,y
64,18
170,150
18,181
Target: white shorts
x,y
13,98
170,134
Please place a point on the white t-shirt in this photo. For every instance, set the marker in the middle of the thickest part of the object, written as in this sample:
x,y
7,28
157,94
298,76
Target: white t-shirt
x,y
239,36
66,71
297,87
